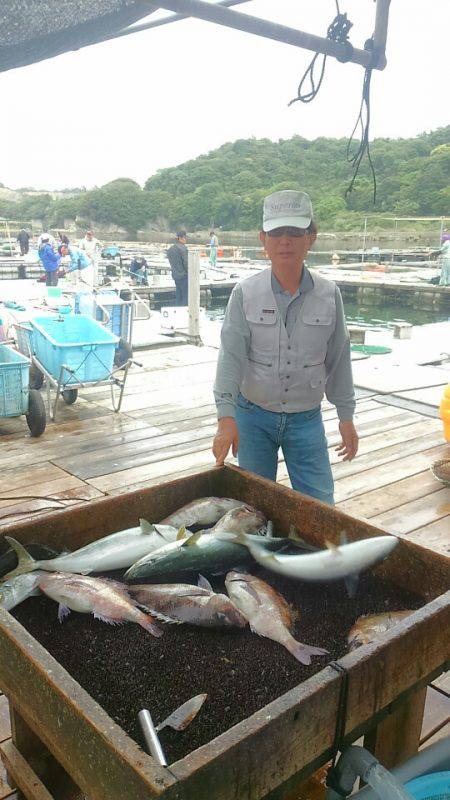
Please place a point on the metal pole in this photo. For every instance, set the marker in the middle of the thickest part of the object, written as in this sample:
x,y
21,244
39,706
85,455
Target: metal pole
x,y
381,31
271,30
194,296
442,231
173,18
364,240
151,737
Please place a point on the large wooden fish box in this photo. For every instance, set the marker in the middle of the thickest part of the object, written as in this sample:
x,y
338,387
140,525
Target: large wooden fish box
x,y
56,724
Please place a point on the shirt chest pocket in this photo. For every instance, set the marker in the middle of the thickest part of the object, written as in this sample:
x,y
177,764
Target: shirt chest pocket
x,y
316,329
264,332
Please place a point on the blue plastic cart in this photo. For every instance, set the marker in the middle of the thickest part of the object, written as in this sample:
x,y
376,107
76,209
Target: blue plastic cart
x,y
73,351
16,398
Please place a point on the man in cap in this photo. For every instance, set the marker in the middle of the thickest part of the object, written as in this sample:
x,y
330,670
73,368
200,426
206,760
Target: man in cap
x,y
284,344
178,260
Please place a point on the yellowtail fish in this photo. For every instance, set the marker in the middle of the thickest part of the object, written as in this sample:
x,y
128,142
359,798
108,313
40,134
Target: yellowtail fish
x,y
204,511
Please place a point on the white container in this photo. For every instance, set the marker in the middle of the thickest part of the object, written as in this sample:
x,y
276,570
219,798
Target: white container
x,y
174,317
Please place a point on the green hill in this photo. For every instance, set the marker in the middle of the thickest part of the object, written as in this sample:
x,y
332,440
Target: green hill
x,y
226,186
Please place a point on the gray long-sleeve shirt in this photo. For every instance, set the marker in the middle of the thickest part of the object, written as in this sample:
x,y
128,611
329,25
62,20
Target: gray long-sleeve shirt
x,y
235,341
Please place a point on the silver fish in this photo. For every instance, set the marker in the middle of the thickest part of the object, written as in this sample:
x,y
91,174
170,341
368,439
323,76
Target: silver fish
x,y
199,553
325,565
182,602
369,628
106,600
268,613
204,511
116,551
18,589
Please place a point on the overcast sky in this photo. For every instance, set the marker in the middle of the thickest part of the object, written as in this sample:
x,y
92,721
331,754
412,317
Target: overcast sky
x,y
160,97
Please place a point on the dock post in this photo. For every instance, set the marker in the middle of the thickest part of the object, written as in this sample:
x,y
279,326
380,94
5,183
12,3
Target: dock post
x,y
194,297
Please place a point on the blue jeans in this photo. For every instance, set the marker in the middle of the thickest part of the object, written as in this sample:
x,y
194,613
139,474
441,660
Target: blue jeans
x,y
301,437
181,291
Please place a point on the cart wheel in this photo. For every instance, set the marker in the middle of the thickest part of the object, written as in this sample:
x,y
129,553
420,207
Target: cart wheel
x,y
69,396
122,353
36,417
36,378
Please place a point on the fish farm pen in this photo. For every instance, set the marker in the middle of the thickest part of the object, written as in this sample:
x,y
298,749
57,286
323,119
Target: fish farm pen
x,y
272,721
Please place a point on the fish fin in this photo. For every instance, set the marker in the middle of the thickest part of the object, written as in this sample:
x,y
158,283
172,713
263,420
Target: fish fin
x,y
343,537
183,716
204,583
269,529
252,592
63,612
26,563
147,622
332,547
191,540
181,533
303,652
351,584
161,617
146,527
108,620
295,538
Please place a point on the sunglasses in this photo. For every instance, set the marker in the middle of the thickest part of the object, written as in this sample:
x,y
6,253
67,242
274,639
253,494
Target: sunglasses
x,y
294,233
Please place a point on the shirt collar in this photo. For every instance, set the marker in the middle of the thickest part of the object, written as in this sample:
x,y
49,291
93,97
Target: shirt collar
x,y
306,284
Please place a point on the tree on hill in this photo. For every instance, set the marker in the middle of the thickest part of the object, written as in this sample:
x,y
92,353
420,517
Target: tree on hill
x,y
226,187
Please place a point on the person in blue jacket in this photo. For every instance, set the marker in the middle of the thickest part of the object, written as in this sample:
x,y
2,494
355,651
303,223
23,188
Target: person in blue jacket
x,y
50,261
78,261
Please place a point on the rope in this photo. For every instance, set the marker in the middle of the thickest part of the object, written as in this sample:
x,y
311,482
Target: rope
x,y
339,733
363,120
337,31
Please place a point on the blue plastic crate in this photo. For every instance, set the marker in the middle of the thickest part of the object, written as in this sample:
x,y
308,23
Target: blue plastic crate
x,y
118,311
75,341
14,382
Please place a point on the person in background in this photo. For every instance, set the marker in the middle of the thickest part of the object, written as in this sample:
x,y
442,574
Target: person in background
x,y
92,247
138,269
50,260
284,344
213,245
444,258
78,261
63,241
24,241
47,237
178,260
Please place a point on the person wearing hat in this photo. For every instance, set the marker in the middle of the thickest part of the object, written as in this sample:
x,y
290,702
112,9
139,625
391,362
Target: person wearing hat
x,y
284,345
50,260
177,255
92,248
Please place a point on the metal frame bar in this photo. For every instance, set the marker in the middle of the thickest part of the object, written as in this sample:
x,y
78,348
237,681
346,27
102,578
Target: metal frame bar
x,y
145,26
210,12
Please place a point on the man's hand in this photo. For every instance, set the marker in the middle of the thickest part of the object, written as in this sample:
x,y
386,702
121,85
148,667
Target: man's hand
x,y
227,436
349,445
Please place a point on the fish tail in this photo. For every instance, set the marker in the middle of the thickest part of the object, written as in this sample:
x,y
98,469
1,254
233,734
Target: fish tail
x,y
303,652
148,623
26,563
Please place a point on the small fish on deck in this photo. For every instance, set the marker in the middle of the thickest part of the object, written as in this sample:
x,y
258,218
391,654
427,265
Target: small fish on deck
x,y
106,600
369,628
268,613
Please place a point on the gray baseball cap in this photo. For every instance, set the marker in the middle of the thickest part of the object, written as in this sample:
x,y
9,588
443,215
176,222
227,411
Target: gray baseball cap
x,y
287,209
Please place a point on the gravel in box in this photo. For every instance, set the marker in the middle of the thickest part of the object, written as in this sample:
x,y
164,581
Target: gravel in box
x,y
126,669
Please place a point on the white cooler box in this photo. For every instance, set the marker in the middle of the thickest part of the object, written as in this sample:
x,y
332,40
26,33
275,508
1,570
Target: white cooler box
x,y
176,317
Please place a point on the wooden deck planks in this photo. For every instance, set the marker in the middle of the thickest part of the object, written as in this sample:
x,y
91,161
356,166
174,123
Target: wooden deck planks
x,y
410,516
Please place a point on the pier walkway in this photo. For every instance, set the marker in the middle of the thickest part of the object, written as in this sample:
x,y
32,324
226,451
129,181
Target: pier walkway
x,y
165,431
